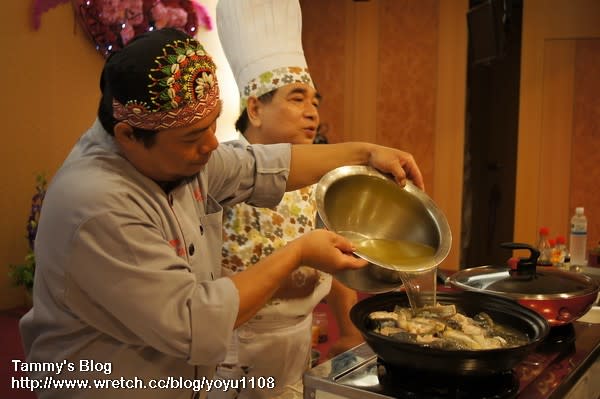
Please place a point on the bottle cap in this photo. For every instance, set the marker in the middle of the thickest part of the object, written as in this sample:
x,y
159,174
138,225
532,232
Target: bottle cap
x,y
552,242
544,231
579,210
561,240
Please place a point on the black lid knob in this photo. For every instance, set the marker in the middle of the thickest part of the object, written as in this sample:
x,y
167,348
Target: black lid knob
x,y
526,265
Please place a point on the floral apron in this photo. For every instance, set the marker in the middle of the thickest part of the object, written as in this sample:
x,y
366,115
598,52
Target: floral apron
x,y
276,342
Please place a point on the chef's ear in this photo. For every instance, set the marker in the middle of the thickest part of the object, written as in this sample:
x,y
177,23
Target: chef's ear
x,y
124,135
254,111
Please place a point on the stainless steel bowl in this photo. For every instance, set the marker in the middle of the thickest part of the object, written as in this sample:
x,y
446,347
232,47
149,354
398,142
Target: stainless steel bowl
x,y
360,202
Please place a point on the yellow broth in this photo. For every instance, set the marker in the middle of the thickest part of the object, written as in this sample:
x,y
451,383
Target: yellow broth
x,y
398,254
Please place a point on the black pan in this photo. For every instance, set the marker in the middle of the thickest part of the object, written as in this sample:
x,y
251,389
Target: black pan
x,y
483,362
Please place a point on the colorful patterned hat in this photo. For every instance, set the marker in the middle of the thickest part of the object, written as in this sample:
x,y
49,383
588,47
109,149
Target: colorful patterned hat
x,y
262,40
162,79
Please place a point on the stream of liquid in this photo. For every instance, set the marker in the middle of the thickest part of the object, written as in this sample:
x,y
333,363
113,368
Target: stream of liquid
x,y
406,258
416,283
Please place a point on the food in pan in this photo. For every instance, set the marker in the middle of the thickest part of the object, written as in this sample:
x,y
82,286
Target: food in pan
x,y
442,327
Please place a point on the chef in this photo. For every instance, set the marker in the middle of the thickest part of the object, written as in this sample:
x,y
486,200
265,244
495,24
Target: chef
x,y
128,249
262,40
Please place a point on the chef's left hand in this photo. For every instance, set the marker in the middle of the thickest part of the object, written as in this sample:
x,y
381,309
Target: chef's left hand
x,y
399,163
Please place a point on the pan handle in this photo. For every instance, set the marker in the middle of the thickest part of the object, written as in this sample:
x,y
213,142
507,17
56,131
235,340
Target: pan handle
x,y
441,277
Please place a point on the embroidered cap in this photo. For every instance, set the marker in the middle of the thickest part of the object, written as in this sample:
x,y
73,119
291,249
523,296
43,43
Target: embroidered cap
x,y
262,40
162,79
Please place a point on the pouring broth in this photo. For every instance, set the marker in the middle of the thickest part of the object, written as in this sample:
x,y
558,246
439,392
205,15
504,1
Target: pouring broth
x,y
416,282
403,257
398,254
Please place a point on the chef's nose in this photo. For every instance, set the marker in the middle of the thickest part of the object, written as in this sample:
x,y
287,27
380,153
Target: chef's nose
x,y
210,144
311,111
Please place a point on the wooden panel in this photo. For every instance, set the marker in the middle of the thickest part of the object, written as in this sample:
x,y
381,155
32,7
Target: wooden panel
x,y
361,81
450,119
555,145
323,32
528,156
585,150
407,69
545,21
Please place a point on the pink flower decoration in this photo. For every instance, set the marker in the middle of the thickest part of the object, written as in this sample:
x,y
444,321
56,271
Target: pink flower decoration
x,y
113,23
168,16
115,11
127,33
40,7
203,17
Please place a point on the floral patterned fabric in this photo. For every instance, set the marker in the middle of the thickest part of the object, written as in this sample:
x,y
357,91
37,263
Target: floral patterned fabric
x,y
251,233
271,80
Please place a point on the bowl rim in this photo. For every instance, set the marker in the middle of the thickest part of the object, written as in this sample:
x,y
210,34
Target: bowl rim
x,y
429,205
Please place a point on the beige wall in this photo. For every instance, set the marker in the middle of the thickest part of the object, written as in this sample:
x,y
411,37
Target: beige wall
x,y
50,91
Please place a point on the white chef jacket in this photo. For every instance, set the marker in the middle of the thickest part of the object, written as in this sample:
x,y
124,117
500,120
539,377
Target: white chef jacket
x,y
129,276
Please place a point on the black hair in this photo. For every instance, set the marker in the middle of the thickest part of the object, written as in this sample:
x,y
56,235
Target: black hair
x,y
321,136
242,122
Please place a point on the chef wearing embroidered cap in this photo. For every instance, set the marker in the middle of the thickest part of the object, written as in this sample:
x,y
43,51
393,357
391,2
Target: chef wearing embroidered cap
x,y
128,249
262,40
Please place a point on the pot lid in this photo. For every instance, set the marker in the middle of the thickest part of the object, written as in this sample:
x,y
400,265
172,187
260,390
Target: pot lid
x,y
524,280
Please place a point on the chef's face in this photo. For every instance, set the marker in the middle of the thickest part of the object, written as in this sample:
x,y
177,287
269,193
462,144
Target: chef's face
x,y
292,116
176,153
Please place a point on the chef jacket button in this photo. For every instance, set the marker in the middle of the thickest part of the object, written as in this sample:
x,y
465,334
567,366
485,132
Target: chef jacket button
x,y
245,335
191,249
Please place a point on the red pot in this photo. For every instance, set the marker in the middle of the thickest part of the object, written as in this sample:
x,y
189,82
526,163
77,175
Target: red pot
x,y
560,296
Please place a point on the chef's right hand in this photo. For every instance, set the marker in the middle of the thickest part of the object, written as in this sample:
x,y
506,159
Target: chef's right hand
x,y
327,251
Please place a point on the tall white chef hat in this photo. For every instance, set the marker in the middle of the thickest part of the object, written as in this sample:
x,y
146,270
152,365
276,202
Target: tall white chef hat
x,y
262,40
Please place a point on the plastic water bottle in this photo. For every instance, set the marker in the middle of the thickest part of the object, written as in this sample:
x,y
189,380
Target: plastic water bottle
x,y
578,238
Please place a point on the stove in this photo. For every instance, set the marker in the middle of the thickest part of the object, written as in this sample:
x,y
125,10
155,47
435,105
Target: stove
x,y
411,383
562,366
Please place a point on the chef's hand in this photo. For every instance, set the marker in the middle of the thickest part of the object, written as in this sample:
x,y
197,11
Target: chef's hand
x,y
327,251
399,163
